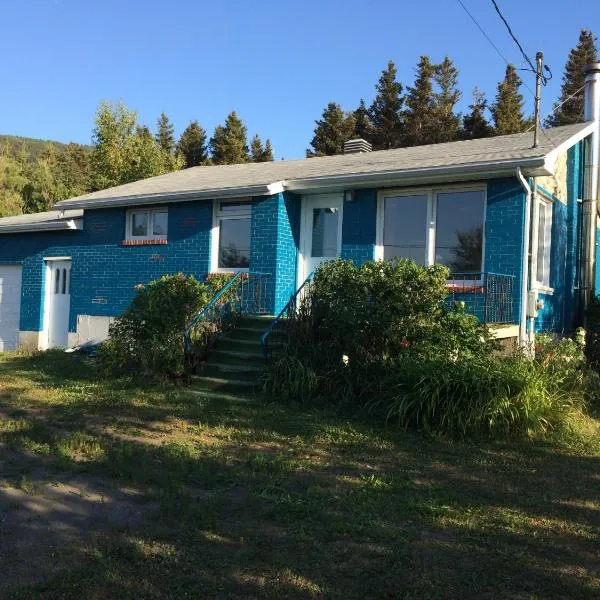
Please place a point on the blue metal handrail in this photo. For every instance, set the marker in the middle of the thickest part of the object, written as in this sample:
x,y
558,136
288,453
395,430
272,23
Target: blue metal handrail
x,y
291,305
213,301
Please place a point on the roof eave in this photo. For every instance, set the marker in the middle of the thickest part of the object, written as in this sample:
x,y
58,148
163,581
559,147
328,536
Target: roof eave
x,y
237,192
531,167
66,225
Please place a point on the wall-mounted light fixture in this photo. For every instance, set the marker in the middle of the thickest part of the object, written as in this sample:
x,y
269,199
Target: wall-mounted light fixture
x,y
349,196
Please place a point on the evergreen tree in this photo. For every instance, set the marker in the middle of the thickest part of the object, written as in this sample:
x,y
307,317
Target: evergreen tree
x,y
192,146
331,131
258,153
363,128
165,136
229,145
447,122
583,54
475,124
268,152
386,110
507,110
420,117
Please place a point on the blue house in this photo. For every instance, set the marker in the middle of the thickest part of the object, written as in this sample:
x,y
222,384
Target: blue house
x,y
515,223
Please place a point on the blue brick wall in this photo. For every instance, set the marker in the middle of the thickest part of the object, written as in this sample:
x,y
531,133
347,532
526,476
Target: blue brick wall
x,y
274,245
104,272
359,226
504,227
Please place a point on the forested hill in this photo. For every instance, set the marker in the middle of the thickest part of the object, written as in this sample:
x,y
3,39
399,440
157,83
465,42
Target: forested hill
x,y
14,145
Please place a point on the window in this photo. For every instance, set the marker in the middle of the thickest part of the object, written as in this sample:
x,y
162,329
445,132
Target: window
x,y
232,231
544,242
150,224
434,226
405,227
325,232
459,231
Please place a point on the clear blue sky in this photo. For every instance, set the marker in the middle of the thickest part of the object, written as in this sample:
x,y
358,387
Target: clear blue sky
x,y
276,63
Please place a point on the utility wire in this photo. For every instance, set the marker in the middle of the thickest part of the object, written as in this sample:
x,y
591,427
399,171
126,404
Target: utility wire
x,y
559,105
487,37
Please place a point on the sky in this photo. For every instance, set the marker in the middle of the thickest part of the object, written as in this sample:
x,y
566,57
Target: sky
x,y
276,63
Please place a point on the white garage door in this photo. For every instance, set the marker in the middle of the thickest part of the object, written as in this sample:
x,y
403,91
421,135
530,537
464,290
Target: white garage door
x,y
10,306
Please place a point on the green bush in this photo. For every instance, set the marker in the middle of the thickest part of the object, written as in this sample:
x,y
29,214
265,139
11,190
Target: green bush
x,y
379,338
148,337
592,335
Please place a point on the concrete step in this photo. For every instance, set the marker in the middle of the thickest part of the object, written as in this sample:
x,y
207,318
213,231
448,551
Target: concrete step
x,y
218,369
254,356
222,384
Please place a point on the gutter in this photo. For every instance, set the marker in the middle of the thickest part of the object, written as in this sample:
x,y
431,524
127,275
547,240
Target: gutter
x,y
71,224
523,337
161,197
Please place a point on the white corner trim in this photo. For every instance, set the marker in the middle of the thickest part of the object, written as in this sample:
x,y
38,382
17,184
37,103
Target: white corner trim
x,y
552,156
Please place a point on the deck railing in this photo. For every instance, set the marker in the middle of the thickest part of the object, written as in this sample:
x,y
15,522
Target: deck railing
x,y
246,293
488,296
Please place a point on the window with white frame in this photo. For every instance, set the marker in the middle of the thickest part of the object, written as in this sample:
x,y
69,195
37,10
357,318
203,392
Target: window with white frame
x,y
433,226
232,231
147,224
544,242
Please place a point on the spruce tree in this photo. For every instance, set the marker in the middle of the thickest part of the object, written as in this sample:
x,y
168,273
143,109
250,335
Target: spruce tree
x,y
165,136
507,110
331,131
363,127
475,124
386,110
256,149
192,145
229,145
268,152
583,54
419,117
447,122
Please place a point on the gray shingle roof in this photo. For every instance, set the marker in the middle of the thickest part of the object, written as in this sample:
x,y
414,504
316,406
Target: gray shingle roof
x,y
53,219
254,178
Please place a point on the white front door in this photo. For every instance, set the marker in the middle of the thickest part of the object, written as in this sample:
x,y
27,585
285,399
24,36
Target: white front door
x,y
59,294
320,232
10,306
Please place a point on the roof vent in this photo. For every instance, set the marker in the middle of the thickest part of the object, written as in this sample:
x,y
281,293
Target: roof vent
x,y
357,146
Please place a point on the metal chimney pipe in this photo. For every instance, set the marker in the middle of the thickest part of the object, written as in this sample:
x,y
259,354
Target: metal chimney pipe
x,y
590,194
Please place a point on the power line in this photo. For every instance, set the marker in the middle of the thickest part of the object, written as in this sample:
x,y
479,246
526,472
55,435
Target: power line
x,y
487,37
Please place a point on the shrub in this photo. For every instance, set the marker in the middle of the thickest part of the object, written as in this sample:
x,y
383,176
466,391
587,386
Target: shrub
x,y
592,335
148,337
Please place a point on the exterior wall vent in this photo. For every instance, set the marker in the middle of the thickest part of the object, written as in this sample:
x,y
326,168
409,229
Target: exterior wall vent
x,y
357,146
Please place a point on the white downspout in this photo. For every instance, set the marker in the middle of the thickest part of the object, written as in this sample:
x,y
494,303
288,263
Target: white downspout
x,y
524,339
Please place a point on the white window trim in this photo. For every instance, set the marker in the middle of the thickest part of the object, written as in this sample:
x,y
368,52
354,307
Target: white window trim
x,y
151,212
214,238
542,199
431,194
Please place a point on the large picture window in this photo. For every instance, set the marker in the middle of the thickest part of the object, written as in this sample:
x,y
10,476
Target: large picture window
x,y
434,226
405,227
233,231
459,230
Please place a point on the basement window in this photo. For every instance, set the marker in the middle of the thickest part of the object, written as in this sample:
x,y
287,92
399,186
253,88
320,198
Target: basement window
x,y
147,224
231,236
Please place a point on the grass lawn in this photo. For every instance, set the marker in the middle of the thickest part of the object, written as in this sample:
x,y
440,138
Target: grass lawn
x,y
112,491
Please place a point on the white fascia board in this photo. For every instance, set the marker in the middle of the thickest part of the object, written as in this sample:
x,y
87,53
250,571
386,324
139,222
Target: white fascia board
x,y
535,166
552,156
70,225
162,198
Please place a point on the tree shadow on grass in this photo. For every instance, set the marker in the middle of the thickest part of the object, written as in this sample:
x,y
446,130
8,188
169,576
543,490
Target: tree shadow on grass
x,y
258,515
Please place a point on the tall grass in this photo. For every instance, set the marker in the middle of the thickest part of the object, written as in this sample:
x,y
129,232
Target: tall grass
x,y
499,396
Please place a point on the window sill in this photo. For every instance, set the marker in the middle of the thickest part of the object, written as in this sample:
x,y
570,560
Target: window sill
x,y
144,243
543,289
